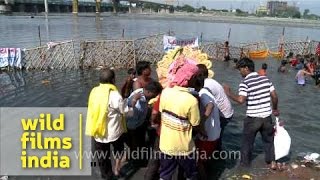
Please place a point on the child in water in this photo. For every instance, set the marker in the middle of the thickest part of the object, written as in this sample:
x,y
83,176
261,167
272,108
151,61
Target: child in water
x,y
263,70
282,68
301,76
226,51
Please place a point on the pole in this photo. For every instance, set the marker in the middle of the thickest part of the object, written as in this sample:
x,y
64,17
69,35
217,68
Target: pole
x,y
98,6
229,34
39,34
47,30
46,9
281,44
122,33
75,6
115,4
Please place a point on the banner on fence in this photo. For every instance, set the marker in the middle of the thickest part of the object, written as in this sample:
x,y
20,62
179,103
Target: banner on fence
x,y
170,42
10,57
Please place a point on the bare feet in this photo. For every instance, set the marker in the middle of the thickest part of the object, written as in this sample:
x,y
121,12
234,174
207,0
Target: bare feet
x,y
273,165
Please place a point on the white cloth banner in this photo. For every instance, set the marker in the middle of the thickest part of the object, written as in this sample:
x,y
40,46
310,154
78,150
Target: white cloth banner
x,y
170,42
4,56
10,57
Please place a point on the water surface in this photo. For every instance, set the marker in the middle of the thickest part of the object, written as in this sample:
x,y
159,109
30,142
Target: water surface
x,y
299,106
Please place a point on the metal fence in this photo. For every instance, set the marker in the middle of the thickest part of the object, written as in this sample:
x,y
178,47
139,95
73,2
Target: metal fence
x,y
313,46
149,48
126,53
300,47
107,53
55,56
216,50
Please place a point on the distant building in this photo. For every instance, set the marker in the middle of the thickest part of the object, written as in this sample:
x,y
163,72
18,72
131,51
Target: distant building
x,y
273,6
262,10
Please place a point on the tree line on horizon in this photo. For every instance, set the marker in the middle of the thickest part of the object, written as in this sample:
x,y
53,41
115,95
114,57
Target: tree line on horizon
x,y
288,12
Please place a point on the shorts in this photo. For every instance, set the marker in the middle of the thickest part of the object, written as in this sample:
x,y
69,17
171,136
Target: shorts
x,y
118,145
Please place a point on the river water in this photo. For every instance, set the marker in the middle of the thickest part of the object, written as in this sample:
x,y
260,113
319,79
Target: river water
x,y
299,106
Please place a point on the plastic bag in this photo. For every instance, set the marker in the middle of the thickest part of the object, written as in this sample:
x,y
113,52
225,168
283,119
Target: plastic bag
x,y
282,141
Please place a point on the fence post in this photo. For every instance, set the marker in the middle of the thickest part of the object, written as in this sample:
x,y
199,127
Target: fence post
x,y
217,51
75,7
39,34
82,54
134,54
46,9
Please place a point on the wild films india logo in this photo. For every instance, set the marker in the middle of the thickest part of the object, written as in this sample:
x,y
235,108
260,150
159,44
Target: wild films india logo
x,y
32,139
43,141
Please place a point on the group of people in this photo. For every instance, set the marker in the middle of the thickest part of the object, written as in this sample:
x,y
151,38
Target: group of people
x,y
184,119
308,65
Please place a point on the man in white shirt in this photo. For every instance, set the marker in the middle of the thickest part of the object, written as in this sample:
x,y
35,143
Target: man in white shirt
x,y
211,122
113,111
221,99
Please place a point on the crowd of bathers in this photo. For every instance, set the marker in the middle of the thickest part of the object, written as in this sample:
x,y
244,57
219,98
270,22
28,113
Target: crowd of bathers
x,y
306,66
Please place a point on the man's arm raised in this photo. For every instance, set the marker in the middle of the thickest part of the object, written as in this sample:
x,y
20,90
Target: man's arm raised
x,y
237,98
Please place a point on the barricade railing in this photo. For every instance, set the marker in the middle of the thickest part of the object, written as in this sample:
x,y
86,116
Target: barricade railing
x,y
149,48
53,56
107,53
297,47
126,53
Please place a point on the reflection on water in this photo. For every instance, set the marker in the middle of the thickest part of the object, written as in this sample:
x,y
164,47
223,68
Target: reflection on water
x,y
11,82
49,89
99,25
75,26
21,31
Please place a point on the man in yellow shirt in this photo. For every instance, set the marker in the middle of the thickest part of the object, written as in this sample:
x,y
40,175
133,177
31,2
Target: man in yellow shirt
x,y
179,114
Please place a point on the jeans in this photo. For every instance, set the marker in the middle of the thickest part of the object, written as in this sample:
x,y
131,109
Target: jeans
x,y
251,126
168,165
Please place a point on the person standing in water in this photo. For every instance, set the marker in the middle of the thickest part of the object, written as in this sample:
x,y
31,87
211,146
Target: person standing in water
x,y
263,70
127,87
259,93
144,75
301,76
282,68
226,51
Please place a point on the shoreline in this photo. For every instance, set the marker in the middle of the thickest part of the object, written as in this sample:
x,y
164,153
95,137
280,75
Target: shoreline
x,y
304,23
268,21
